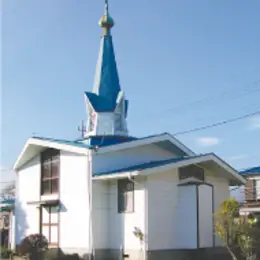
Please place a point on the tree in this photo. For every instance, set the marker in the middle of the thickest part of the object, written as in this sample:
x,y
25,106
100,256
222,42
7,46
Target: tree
x,y
8,192
238,233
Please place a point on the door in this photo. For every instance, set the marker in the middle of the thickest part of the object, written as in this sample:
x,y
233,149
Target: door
x,y
50,224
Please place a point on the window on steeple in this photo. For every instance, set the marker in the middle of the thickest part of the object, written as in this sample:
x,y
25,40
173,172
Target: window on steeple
x,y
118,122
91,121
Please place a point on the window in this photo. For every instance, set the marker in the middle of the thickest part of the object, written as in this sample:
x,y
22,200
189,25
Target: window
x,y
191,171
49,224
125,196
92,121
118,122
50,172
257,188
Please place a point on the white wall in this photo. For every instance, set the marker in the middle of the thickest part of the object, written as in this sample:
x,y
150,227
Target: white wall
x,y
162,209
205,216
100,213
187,217
74,214
128,157
221,193
28,190
121,225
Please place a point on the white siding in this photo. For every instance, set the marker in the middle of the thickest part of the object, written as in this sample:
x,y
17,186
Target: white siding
x,y
162,197
28,190
187,217
205,216
74,214
121,225
221,193
128,157
105,124
100,209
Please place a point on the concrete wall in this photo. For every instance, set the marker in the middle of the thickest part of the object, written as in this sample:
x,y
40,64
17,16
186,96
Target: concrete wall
x,y
162,194
100,213
205,216
128,157
28,189
187,218
74,212
221,193
121,225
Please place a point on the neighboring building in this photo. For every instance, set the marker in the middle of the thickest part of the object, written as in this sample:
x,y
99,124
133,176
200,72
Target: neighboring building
x,y
7,223
251,191
89,196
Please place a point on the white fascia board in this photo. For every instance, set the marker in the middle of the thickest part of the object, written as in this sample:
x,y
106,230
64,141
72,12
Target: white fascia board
x,y
116,175
248,210
50,144
144,141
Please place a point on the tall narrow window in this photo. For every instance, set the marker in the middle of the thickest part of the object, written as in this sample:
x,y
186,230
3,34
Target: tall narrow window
x,y
257,189
50,172
49,224
125,196
118,122
191,171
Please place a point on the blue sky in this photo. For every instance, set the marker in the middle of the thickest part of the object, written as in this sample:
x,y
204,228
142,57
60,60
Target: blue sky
x,y
169,55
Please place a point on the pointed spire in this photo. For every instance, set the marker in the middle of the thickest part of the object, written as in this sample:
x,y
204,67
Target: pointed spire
x,y
106,21
107,95
106,83
106,6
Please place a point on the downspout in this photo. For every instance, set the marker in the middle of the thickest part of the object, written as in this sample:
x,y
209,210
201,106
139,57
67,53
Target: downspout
x,y
143,248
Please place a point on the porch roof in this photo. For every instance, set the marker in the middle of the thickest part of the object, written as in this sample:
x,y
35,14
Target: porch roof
x,y
210,160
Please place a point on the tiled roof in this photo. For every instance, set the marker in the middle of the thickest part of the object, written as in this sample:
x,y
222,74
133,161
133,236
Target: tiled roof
x,y
147,165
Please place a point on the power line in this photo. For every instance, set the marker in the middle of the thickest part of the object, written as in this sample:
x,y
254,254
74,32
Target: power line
x,y
202,102
231,120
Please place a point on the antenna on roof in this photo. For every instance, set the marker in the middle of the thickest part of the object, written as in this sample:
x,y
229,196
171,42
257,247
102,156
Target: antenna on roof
x,y
82,129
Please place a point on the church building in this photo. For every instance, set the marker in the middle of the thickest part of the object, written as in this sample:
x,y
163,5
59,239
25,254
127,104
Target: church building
x,y
112,195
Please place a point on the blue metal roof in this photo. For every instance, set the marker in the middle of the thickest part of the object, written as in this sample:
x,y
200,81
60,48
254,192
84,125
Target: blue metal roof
x,y
106,140
9,201
147,165
106,86
253,170
91,141
61,141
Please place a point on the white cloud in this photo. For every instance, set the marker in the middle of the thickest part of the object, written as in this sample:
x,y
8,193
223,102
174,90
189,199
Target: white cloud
x,y
208,141
255,122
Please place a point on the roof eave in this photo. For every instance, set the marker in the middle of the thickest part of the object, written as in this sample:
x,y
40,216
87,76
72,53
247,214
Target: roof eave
x,y
233,174
44,144
148,140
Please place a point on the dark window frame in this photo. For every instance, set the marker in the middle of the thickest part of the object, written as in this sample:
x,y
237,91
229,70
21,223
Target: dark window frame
x,y
125,192
192,171
49,224
50,171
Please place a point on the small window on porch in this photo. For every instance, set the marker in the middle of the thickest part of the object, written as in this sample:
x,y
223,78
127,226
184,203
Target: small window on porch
x,y
125,192
191,171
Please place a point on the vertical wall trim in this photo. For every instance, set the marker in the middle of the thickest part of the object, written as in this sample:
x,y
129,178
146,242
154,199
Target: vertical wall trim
x,y
213,216
198,226
59,205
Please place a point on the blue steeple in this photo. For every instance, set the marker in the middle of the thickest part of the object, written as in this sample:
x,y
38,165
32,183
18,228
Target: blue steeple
x,y
106,104
106,88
